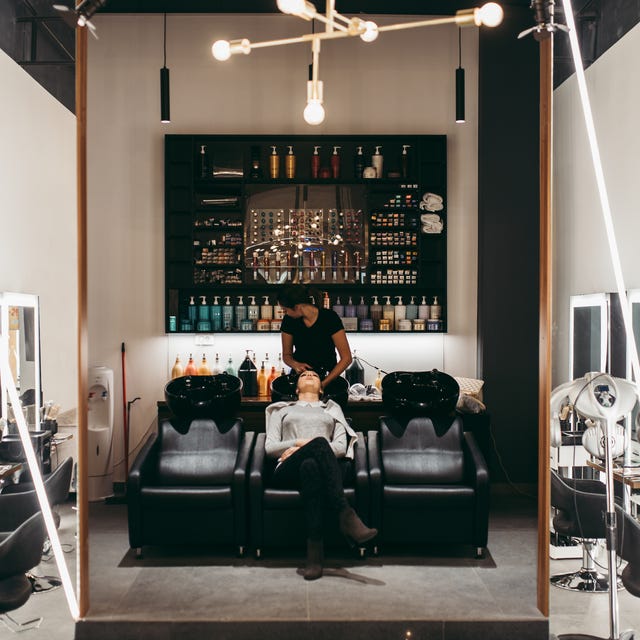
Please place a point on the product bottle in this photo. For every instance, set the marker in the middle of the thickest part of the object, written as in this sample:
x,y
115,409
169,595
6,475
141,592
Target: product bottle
x,y
256,169
193,312
230,368
376,161
203,315
240,312
412,309
363,309
274,164
253,311
267,363
248,374
215,311
203,369
216,366
272,376
178,369
404,162
266,310
326,301
190,369
376,312
388,311
280,365
315,162
204,163
354,373
435,312
400,312
262,381
227,314
378,381
350,309
423,309
358,164
335,163
290,164
338,307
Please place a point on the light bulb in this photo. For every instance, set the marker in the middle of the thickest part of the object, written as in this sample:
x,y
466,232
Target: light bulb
x,y
221,50
490,15
314,112
370,32
300,8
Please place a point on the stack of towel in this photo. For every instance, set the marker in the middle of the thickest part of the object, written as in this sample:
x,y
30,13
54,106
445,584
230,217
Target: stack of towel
x,y
431,222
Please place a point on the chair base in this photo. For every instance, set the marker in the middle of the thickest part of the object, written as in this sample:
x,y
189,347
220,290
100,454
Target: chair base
x,y
15,627
40,584
624,635
588,581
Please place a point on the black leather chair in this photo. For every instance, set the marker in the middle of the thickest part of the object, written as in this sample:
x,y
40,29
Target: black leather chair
x,y
20,551
277,514
429,482
628,548
19,501
580,506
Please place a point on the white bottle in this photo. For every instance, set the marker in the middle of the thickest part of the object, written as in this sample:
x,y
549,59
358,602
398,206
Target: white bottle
x,y
412,309
400,312
253,311
423,309
266,310
388,312
435,310
376,161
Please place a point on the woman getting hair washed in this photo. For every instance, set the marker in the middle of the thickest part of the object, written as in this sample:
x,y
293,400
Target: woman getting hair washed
x,y
309,437
311,335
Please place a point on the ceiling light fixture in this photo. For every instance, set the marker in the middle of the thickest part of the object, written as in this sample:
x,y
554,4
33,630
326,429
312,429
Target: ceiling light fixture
x,y
459,82
339,26
165,100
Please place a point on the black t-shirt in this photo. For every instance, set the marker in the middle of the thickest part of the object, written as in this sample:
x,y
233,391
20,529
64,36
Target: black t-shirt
x,y
314,344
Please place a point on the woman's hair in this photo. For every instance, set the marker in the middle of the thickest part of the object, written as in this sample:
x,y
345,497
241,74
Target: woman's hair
x,y
292,294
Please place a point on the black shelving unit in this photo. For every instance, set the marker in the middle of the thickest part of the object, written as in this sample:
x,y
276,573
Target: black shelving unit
x,y
232,230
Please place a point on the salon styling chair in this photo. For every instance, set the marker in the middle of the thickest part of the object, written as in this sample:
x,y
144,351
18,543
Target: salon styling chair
x,y
187,486
429,479
580,505
277,514
20,551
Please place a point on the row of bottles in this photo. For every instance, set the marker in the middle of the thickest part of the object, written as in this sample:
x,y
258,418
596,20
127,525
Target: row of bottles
x,y
322,166
256,381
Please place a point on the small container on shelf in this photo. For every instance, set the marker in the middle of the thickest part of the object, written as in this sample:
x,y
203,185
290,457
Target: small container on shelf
x,y
419,324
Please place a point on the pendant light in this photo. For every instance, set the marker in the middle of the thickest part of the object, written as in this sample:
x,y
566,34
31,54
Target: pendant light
x,y
165,102
459,82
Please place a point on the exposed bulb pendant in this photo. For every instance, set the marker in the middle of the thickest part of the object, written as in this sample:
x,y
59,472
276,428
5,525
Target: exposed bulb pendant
x,y
460,82
165,101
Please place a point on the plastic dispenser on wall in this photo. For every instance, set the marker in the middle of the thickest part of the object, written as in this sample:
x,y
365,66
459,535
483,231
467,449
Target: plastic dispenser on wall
x,y
100,436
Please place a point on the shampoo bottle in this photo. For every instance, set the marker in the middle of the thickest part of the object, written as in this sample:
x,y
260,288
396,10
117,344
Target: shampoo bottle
x,y
190,369
266,310
274,164
240,312
378,381
335,163
262,381
404,162
423,309
435,312
362,310
204,323
354,373
400,312
253,311
272,376
326,301
215,311
227,314
315,162
248,374
412,309
178,369
193,312
216,366
388,312
339,308
290,164
204,164
203,369
350,309
358,164
376,161
230,368
376,312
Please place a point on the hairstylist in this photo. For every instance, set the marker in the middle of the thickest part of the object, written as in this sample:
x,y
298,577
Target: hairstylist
x,y
312,335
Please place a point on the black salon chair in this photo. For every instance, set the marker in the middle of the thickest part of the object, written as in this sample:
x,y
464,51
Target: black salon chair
x,y
429,479
580,505
277,514
628,548
20,551
187,485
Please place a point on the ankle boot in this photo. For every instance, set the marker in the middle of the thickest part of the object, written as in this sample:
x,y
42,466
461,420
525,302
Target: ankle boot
x,y
353,528
313,570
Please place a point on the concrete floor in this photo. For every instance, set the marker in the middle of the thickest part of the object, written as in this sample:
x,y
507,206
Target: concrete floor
x,y
189,595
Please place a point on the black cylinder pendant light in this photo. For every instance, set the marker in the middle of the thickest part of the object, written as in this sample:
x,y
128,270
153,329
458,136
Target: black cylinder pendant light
x,y
165,102
459,82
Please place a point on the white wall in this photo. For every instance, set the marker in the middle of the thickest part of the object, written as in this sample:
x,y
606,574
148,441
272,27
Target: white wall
x,y
582,262
403,83
38,211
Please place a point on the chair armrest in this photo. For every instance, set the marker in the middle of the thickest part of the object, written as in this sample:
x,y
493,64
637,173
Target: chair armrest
x,y
375,478
240,489
361,476
475,462
143,465
256,489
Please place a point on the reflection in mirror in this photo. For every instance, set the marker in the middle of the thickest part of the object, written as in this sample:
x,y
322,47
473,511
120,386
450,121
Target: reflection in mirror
x,y
588,329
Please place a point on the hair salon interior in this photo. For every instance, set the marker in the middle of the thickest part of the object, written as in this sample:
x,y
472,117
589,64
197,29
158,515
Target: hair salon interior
x,y
180,148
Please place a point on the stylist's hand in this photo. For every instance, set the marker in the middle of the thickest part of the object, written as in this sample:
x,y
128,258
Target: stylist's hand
x,y
299,367
287,453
